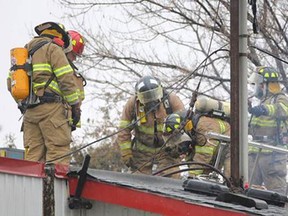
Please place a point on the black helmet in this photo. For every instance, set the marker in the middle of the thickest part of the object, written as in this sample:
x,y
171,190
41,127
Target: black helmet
x,y
173,121
148,89
39,29
264,74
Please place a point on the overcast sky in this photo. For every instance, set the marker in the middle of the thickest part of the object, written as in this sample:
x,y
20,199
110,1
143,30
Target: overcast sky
x,y
18,19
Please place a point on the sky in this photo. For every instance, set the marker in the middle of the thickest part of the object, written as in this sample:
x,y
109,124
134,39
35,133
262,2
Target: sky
x,y
18,19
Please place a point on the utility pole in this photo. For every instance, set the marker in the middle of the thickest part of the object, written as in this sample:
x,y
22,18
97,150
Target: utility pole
x,y
239,103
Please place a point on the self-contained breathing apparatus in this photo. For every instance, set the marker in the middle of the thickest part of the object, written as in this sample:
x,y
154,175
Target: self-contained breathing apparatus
x,y
203,107
21,79
21,76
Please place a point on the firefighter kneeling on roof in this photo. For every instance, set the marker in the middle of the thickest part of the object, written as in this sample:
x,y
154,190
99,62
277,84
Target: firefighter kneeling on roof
x,y
143,117
201,149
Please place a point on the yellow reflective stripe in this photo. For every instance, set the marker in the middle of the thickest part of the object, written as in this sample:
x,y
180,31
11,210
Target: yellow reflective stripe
x,y
263,122
125,145
78,124
144,148
124,123
10,74
54,85
195,172
71,98
150,130
63,70
38,85
204,150
160,127
271,109
82,95
284,107
42,67
222,126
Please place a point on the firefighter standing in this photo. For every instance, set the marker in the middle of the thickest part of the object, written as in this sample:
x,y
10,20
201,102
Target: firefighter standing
x,y
268,125
147,110
47,132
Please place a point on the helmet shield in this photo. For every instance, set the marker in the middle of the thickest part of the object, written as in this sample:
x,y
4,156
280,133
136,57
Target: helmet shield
x,y
255,78
151,95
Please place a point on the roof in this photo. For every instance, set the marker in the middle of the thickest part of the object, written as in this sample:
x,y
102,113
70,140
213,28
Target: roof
x,y
153,194
100,182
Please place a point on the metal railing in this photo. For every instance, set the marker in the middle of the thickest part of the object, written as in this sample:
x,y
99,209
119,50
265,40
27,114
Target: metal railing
x,y
225,138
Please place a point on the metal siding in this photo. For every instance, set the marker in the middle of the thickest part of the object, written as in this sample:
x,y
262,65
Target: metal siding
x,y
99,208
20,195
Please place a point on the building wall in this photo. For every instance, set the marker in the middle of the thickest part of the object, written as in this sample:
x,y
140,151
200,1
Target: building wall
x,y
20,195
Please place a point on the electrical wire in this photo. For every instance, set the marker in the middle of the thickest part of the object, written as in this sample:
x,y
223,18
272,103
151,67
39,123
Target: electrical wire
x,y
205,166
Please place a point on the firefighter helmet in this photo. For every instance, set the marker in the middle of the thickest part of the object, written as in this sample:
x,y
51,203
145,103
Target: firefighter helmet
x,y
148,89
77,41
268,76
264,75
48,27
173,121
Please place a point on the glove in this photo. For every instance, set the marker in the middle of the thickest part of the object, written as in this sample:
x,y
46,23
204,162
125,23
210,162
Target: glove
x,y
127,158
76,114
258,110
184,147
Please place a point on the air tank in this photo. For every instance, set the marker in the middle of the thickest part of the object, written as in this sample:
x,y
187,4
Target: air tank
x,y
205,104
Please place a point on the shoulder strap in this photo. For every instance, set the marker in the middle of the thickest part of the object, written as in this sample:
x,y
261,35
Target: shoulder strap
x,y
36,47
195,118
166,102
31,53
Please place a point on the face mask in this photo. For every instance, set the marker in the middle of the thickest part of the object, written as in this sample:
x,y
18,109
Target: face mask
x,y
151,106
258,91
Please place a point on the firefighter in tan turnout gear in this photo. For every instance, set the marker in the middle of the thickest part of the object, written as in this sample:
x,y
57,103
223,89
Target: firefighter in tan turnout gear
x,y
268,125
47,125
140,142
201,148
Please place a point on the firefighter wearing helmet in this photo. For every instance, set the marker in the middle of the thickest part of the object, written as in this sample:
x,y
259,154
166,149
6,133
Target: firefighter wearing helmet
x,y
199,148
74,50
268,125
140,139
47,132
76,45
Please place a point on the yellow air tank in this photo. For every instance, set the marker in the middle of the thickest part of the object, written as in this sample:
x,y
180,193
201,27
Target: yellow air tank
x,y
19,77
205,104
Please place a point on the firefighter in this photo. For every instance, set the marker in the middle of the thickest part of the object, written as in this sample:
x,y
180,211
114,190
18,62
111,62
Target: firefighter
x,y
47,130
268,125
201,149
143,115
74,50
